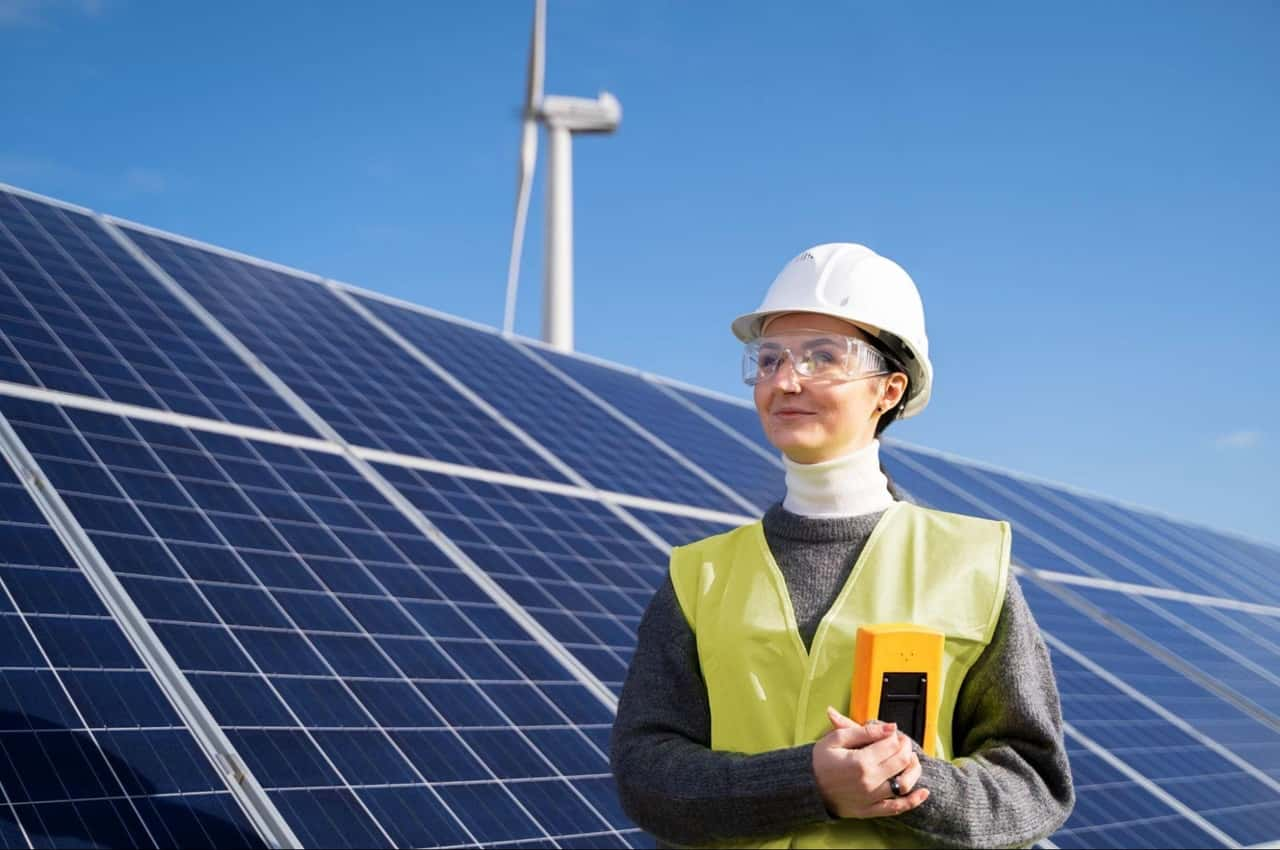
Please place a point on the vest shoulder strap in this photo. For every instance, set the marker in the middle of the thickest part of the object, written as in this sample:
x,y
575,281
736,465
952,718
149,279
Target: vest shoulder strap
x,y
694,565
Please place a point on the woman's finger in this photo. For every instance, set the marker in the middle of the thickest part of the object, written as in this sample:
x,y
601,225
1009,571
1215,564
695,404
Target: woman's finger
x,y
856,737
838,720
880,750
897,805
898,760
908,778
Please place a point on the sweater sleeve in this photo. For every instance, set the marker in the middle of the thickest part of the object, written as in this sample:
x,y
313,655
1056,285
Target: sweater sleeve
x,y
1010,784
670,781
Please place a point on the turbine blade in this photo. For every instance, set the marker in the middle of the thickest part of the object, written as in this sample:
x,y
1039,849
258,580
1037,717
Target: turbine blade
x,y
537,58
524,183
528,155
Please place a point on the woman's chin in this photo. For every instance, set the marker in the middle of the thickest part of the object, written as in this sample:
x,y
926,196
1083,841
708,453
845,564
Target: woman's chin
x,y
801,451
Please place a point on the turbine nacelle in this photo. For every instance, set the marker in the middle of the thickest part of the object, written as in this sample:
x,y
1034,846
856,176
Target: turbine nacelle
x,y
602,114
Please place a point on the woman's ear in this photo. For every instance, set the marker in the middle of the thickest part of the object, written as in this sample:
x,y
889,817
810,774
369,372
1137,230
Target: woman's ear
x,y
894,387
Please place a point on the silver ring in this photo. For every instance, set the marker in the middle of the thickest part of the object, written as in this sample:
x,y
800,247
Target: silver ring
x,y
894,786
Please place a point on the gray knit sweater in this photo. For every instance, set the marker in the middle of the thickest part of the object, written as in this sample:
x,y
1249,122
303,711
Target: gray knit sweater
x,y
1009,785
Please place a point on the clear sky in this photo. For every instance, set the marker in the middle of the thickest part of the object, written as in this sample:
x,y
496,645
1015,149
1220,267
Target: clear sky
x,y
1087,194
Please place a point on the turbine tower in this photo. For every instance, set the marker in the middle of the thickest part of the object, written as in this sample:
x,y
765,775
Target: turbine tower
x,y
563,116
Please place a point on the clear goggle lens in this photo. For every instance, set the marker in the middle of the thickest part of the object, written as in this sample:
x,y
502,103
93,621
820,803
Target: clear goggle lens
x,y
813,354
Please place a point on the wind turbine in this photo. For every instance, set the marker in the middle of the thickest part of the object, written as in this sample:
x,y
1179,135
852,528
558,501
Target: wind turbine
x,y
563,116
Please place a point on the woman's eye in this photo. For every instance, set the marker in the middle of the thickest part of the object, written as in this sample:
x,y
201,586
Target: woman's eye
x,y
767,360
822,358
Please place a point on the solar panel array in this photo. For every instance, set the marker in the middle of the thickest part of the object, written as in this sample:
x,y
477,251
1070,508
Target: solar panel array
x,y
285,561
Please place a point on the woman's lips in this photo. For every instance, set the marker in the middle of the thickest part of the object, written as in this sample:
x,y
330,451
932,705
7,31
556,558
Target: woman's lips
x,y
792,413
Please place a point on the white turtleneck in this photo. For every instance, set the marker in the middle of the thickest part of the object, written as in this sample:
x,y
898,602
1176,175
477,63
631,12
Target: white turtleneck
x,y
851,485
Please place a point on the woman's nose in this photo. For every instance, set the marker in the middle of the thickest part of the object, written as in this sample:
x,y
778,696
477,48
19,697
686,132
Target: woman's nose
x,y
785,376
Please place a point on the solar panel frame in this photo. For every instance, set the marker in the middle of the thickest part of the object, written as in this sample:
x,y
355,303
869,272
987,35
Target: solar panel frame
x,y
171,699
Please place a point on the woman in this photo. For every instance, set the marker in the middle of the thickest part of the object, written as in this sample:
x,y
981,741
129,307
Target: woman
x,y
732,725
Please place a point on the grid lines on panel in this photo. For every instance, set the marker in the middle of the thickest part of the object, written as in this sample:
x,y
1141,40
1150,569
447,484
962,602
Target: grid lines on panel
x,y
1038,543
82,316
740,418
1179,763
1107,547
749,474
584,574
374,691
678,529
589,439
1261,688
1075,534
91,752
372,392
1221,565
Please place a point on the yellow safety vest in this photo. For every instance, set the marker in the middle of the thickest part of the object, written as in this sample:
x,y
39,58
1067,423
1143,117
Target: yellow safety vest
x,y
940,570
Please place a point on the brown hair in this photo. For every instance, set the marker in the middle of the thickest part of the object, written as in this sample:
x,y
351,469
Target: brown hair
x,y
893,414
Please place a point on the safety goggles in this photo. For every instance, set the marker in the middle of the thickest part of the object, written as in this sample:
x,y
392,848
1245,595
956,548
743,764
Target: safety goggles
x,y
814,355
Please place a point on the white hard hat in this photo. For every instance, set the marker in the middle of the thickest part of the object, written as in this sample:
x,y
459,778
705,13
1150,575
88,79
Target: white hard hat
x,y
854,283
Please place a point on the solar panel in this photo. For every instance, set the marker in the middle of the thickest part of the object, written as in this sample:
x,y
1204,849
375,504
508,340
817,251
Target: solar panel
x,y
1116,551
80,315
359,381
93,752
595,444
1218,662
580,570
739,417
378,695
750,471
679,529
1124,721
426,651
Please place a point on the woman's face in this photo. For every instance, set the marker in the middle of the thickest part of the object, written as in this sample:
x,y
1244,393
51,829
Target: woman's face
x,y
811,420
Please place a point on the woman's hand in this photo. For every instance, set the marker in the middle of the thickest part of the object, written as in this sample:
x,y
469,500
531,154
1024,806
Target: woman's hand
x,y
854,763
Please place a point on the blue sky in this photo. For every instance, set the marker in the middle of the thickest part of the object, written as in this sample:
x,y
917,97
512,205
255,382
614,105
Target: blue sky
x,y
1087,194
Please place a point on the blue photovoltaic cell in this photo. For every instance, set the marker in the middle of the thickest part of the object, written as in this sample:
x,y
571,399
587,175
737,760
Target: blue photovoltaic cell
x,y
354,376
1261,629
940,494
582,572
378,695
1223,566
677,529
741,417
1041,539
1114,552
91,752
1060,531
78,314
1113,810
1254,644
1180,764
755,478
586,437
1252,685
